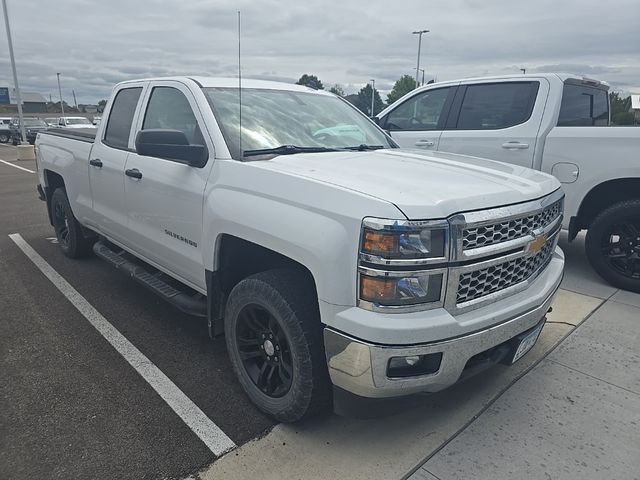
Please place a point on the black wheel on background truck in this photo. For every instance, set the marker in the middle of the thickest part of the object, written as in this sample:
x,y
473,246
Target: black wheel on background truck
x,y
274,340
613,244
4,138
68,231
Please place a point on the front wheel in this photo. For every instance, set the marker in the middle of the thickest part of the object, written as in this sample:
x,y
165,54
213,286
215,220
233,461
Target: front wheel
x,y
69,233
613,244
274,341
4,138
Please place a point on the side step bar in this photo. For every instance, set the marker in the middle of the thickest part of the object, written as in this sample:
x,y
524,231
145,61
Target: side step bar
x,y
181,296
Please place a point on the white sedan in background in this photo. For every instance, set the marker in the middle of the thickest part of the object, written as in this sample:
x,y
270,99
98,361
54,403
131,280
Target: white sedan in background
x,y
75,122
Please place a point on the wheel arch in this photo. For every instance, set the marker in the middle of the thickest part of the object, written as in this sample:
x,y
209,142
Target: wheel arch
x,y
235,259
52,181
600,197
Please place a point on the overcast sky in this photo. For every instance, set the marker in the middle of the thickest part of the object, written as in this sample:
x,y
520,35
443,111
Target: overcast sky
x,y
95,44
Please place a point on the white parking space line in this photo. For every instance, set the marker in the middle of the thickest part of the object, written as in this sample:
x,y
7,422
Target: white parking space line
x,y
16,166
213,437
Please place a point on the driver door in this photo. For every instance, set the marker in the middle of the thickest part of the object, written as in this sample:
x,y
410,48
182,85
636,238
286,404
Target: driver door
x,y
418,121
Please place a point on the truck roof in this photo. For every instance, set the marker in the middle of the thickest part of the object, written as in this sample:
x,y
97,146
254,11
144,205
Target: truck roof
x,y
520,76
232,82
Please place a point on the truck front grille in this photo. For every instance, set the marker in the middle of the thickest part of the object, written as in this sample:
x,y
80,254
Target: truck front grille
x,y
484,281
509,230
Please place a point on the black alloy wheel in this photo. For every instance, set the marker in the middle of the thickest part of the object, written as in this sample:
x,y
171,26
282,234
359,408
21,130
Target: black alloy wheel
x,y
621,247
61,223
613,244
264,351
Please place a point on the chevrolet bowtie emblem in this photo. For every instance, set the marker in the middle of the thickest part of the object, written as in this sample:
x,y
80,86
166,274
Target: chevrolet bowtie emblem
x,y
536,245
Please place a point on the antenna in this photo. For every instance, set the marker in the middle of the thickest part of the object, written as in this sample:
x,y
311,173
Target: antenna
x,y
240,87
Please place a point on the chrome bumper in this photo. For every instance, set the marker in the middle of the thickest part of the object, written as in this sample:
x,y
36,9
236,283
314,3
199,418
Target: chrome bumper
x,y
361,368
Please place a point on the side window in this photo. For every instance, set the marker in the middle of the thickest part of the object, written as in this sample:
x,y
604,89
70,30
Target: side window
x,y
420,112
583,107
491,106
121,117
169,109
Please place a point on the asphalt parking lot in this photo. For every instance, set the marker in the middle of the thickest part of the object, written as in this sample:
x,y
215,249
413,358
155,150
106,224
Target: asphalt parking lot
x,y
73,407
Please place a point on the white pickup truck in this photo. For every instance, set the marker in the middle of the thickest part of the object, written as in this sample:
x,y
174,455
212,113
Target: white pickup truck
x,y
556,123
332,261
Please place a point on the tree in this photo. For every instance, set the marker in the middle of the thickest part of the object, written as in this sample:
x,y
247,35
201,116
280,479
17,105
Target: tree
x,y
363,100
619,104
337,89
101,105
404,85
310,81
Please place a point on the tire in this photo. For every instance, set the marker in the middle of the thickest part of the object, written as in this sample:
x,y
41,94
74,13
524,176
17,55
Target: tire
x,y
283,304
613,245
4,138
69,233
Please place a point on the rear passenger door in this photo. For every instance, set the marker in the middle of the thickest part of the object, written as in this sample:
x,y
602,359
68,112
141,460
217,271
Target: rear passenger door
x,y
498,120
418,121
107,161
165,204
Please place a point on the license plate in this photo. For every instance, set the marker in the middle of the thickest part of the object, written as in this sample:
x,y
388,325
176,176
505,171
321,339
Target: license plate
x,y
527,344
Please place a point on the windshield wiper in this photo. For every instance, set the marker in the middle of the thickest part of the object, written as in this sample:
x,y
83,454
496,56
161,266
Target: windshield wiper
x,y
362,147
287,150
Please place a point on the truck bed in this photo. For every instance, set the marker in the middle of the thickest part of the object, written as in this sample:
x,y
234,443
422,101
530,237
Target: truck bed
x,y
80,134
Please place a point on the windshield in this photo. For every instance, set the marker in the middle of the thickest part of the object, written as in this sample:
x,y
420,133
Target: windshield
x,y
274,118
78,121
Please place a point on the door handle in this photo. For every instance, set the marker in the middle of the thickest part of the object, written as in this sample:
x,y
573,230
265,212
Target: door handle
x,y
515,145
425,143
96,162
133,173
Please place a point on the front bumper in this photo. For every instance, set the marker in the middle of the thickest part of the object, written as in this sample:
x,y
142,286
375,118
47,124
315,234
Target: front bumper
x,y
360,367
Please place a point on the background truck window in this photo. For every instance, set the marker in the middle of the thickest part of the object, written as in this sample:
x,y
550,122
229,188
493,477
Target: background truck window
x,y
169,109
492,106
583,107
121,118
421,112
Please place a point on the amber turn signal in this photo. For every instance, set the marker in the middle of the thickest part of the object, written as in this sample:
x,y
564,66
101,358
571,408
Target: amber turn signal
x,y
377,289
379,243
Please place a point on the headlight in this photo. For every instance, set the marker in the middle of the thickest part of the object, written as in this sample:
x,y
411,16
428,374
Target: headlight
x,y
403,240
395,289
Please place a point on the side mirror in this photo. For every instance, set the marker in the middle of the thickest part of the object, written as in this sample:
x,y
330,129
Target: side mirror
x,y
170,145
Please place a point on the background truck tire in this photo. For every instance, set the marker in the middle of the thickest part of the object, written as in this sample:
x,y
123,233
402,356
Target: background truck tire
x,y
4,137
272,324
619,262
68,231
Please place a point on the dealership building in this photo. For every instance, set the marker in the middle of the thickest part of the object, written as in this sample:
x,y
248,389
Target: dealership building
x,y
31,102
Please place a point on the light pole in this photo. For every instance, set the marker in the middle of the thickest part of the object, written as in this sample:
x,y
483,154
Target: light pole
x,y
373,92
419,33
422,70
15,72
64,119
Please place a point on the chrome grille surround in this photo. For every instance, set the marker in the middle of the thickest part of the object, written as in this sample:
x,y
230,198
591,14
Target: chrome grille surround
x,y
491,234
497,270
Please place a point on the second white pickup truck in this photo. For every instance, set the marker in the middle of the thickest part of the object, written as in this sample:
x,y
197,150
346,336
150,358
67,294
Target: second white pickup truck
x,y
556,123
331,260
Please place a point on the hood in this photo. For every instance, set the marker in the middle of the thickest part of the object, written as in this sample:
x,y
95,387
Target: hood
x,y
423,185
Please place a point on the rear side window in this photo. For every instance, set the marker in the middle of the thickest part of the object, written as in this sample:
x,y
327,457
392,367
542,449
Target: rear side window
x,y
492,106
121,117
583,106
421,112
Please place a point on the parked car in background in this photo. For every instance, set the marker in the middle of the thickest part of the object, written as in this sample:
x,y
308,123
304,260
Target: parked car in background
x,y
75,122
5,129
32,126
555,123
325,254
52,121
96,120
